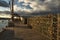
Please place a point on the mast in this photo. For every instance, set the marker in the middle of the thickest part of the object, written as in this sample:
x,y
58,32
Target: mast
x,y
12,9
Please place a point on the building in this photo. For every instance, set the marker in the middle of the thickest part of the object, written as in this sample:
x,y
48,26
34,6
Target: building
x,y
44,27
58,28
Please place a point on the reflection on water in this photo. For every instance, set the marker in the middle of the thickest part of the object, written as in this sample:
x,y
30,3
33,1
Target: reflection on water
x,y
3,24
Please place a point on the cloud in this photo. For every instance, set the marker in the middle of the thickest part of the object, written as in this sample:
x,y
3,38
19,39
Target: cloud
x,y
20,0
32,5
36,5
4,4
19,9
4,9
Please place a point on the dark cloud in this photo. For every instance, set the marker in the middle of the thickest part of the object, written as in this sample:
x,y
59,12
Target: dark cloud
x,y
4,4
28,7
42,0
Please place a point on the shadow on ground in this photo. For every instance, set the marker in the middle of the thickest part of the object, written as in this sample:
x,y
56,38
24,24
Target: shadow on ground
x,y
8,35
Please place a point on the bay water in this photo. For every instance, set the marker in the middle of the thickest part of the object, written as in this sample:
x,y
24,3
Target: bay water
x,y
3,24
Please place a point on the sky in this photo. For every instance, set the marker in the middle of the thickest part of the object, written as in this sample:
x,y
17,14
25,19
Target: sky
x,y
30,6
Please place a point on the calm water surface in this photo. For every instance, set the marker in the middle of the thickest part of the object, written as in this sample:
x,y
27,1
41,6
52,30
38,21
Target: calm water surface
x,y
3,24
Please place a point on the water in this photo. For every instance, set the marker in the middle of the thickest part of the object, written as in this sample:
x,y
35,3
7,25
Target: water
x,y
3,24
